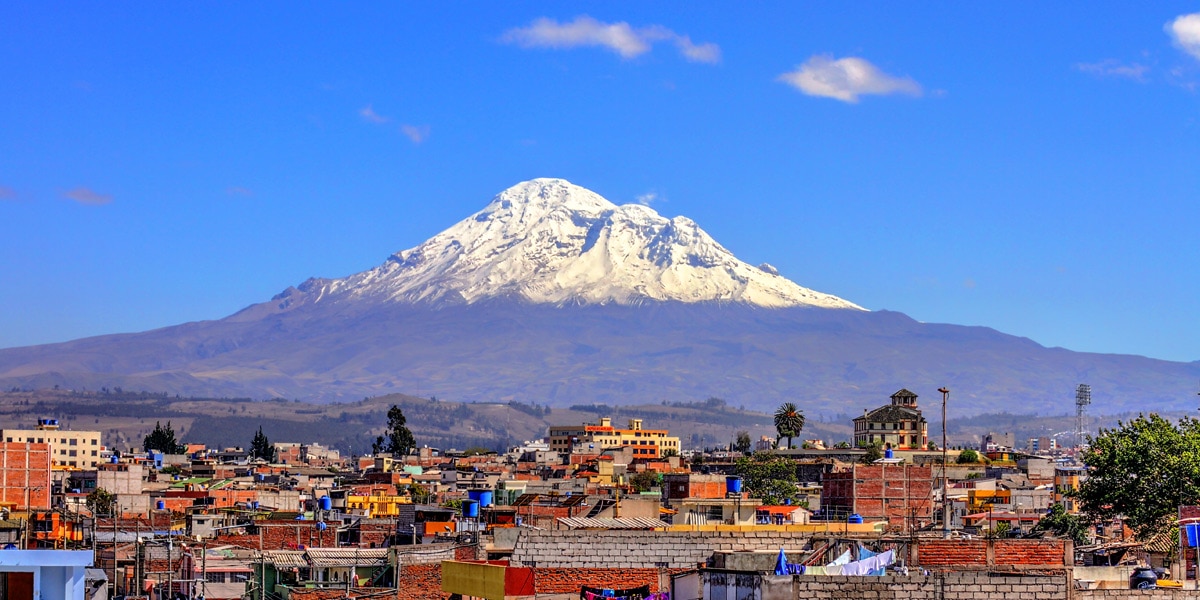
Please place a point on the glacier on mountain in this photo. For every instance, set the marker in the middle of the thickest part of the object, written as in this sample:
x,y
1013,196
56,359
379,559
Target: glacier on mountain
x,y
548,241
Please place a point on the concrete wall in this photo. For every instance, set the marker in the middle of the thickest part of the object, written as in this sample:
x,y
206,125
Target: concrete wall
x,y
617,549
951,586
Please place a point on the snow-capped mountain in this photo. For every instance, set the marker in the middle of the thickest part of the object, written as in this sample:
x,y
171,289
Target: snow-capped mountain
x,y
547,241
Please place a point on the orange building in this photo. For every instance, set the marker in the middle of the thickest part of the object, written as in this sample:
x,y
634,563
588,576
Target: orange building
x,y
25,475
645,443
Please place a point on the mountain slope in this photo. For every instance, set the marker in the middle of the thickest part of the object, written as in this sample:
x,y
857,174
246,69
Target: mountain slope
x,y
554,296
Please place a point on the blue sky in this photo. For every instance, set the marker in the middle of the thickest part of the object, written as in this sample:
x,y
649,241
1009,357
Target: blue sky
x,y
1032,167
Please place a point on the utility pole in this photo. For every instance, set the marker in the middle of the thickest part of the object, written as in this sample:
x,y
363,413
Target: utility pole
x,y
945,498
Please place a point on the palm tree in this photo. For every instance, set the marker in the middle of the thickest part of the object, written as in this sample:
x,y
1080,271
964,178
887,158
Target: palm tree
x,y
789,420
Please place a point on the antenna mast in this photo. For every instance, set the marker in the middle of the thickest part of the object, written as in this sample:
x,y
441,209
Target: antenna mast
x,y
1083,397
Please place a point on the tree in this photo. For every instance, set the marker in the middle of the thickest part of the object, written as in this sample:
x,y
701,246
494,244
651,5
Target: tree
x,y
399,441
260,447
789,420
742,443
101,502
967,457
931,446
842,445
163,440
767,477
642,482
1142,470
668,453
874,453
1063,524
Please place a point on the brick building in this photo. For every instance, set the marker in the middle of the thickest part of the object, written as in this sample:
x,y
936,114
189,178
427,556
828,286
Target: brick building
x,y
900,494
25,475
645,443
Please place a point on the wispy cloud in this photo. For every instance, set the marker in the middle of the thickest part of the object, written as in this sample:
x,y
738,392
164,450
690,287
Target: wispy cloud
x,y
238,190
7,193
416,133
1115,68
649,198
1185,32
369,115
621,38
84,195
846,79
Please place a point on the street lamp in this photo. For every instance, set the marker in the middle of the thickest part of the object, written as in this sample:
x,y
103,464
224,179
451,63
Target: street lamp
x,y
945,499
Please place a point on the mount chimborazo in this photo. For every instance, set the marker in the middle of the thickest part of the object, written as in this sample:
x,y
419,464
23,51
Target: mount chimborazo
x,y
553,295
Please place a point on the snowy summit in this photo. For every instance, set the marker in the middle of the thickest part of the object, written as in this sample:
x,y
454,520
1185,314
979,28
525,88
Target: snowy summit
x,y
548,241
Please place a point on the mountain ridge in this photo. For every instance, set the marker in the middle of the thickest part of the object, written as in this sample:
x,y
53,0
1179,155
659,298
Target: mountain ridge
x,y
499,325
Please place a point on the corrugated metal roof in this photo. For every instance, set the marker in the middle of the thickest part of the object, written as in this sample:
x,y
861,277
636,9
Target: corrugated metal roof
x,y
285,558
344,557
618,523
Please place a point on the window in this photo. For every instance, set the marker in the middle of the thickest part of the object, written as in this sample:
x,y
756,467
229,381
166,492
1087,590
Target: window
x,y
715,512
214,577
72,453
74,441
93,442
93,453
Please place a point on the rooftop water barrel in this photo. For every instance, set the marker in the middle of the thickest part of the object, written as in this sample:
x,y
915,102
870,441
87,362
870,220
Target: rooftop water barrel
x,y
321,526
160,505
114,459
733,485
326,503
855,518
483,497
888,453
470,508
254,504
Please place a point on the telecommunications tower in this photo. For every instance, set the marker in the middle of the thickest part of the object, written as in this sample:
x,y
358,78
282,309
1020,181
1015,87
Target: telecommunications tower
x,y
1083,397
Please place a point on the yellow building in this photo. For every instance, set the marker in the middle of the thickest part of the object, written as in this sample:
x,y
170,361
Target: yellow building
x,y
982,500
1067,480
592,439
378,504
68,449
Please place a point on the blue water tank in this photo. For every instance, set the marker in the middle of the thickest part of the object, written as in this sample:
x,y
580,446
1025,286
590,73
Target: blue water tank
x,y
733,484
321,526
254,504
160,505
326,503
470,508
855,518
114,459
888,453
483,497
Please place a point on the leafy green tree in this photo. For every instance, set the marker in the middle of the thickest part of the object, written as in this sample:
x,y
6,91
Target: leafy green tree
x,y
399,440
874,452
163,440
1063,524
668,453
260,447
767,477
931,446
742,443
1142,470
842,445
789,420
967,457
101,502
642,482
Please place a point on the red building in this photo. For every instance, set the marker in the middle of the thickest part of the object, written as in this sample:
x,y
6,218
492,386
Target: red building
x,y
900,494
25,475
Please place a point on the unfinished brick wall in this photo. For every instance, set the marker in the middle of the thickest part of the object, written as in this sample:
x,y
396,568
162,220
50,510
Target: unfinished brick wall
x,y
25,475
569,581
893,492
960,554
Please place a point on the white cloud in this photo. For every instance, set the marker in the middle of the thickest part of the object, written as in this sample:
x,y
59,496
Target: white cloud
x,y
416,133
846,79
1185,32
368,113
625,40
648,198
87,196
1115,68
